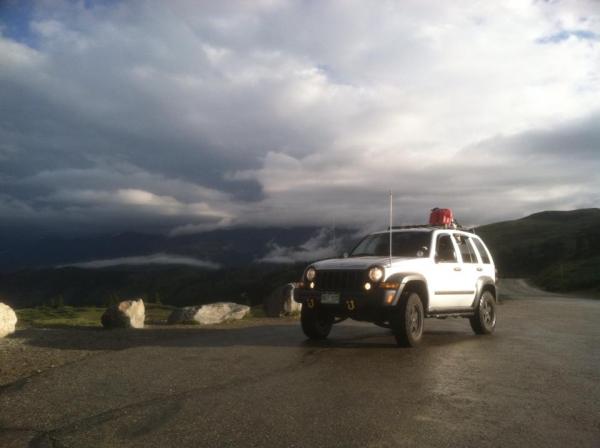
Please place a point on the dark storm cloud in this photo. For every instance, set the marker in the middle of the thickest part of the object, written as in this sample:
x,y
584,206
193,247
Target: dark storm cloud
x,y
54,126
575,141
183,116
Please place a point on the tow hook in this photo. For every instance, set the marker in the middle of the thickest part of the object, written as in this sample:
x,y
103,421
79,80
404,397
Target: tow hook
x,y
310,303
351,305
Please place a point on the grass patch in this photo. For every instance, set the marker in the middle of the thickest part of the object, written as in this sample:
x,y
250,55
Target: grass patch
x,y
157,314
69,316
65,316
256,311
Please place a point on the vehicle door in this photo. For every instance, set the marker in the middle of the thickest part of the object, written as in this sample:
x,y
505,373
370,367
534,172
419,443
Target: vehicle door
x,y
471,269
447,280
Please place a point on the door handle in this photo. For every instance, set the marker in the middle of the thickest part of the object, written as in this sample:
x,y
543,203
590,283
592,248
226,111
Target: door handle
x,y
457,269
480,269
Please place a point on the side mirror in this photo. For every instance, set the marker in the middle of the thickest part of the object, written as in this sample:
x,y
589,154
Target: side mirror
x,y
345,255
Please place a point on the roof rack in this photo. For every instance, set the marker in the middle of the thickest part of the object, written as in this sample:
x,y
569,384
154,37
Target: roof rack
x,y
429,226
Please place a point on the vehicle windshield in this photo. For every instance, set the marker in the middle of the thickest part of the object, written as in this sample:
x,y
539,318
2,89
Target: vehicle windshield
x,y
404,244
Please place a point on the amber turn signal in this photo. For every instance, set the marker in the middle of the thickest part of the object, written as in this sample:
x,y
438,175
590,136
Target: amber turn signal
x,y
389,297
389,285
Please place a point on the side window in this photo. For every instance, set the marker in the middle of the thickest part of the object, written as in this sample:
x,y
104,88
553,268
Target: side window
x,y
466,251
485,258
445,250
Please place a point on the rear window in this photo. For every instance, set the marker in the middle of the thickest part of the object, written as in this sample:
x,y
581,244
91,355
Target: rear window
x,y
466,250
485,258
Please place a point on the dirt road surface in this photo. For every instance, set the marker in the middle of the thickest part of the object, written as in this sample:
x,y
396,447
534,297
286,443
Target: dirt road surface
x,y
534,383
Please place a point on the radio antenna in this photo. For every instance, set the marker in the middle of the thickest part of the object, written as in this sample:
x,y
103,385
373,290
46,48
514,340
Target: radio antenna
x,y
391,226
334,241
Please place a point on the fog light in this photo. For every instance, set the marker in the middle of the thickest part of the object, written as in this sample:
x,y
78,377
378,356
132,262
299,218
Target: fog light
x,y
312,285
367,286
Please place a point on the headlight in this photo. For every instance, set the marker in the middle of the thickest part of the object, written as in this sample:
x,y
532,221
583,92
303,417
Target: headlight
x,y
311,273
375,274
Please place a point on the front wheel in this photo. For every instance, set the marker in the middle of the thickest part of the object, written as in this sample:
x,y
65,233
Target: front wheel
x,y
316,323
484,320
407,321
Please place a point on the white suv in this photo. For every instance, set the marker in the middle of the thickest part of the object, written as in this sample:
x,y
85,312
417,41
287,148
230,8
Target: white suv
x,y
432,272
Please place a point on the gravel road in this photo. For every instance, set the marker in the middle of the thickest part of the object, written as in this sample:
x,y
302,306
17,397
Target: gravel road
x,y
534,383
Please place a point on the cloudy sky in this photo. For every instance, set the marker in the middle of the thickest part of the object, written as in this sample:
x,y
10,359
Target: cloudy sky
x,y
184,116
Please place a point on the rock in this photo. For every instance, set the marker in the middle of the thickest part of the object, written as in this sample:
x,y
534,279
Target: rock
x,y
290,306
127,314
273,304
183,315
281,302
215,313
8,320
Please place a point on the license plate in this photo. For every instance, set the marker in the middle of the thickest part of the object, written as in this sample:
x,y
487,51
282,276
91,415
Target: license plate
x,y
331,298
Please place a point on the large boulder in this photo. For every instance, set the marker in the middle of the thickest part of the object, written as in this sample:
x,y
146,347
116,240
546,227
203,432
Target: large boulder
x,y
213,313
183,315
126,314
216,313
8,320
290,306
281,302
273,303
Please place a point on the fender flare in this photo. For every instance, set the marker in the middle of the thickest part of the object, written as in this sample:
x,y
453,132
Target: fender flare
x,y
482,282
403,279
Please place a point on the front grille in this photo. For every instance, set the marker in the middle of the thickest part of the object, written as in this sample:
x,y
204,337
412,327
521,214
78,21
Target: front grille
x,y
348,280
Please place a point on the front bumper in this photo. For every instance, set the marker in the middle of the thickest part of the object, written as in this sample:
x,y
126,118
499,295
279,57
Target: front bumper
x,y
360,305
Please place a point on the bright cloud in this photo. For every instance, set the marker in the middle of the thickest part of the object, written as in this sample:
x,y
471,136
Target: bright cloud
x,y
323,244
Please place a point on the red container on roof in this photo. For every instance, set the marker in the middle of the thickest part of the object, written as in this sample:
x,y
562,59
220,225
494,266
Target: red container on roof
x,y
441,217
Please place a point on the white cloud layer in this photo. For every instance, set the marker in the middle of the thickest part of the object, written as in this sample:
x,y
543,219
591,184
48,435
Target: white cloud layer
x,y
143,260
184,116
323,244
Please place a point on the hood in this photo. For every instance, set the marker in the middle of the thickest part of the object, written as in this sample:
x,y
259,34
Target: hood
x,y
355,262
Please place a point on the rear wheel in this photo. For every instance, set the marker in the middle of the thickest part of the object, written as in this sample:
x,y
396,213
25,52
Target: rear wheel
x,y
407,321
316,323
484,320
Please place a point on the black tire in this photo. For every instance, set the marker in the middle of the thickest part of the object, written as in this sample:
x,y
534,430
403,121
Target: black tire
x,y
316,323
484,320
408,320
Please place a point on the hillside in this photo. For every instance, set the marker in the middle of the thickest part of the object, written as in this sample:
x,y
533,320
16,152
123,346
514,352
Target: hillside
x,y
559,251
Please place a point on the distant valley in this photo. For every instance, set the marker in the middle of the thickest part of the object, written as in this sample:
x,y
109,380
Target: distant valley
x,y
557,250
